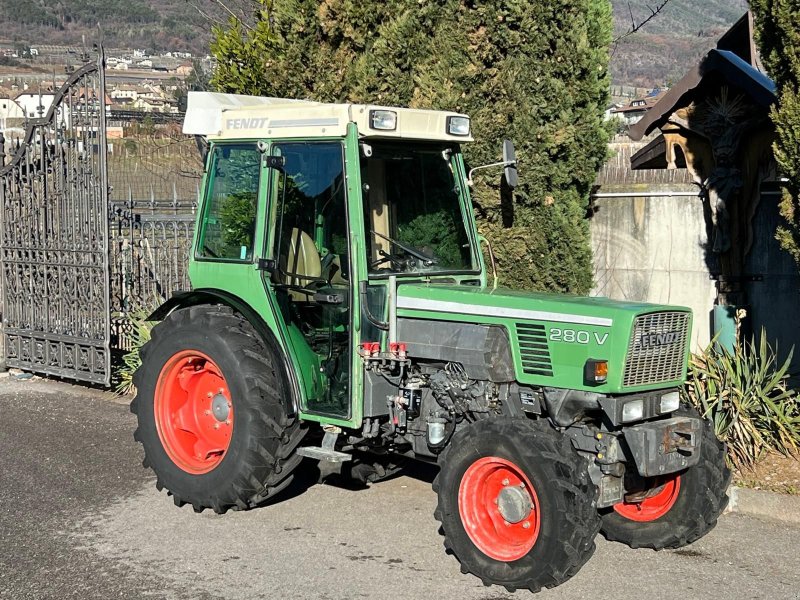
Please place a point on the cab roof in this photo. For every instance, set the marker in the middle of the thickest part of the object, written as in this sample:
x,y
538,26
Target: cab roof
x,y
232,116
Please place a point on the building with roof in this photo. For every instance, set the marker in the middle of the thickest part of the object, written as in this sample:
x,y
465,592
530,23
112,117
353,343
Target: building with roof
x,y
633,111
11,114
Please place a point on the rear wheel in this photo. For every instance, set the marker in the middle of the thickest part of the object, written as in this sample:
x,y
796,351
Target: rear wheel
x,y
675,510
516,503
210,398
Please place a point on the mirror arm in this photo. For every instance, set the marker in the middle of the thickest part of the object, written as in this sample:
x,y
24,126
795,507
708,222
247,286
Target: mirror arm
x,y
502,163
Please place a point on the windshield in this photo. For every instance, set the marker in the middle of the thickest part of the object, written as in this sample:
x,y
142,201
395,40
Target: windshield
x,y
412,210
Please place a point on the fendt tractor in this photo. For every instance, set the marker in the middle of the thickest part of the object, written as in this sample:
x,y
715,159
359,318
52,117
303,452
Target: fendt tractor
x,y
341,310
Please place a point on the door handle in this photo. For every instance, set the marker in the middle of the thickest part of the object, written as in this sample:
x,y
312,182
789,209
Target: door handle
x,y
322,298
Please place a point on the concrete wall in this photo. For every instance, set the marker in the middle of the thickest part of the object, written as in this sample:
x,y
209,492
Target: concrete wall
x,y
652,249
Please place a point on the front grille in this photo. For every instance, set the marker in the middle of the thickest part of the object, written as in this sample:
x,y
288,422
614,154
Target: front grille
x,y
657,348
533,350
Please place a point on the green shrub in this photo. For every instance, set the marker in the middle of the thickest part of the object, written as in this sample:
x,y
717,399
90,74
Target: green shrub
x,y
745,394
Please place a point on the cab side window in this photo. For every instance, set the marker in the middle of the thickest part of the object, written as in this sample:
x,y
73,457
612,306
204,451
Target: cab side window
x,y
312,234
229,220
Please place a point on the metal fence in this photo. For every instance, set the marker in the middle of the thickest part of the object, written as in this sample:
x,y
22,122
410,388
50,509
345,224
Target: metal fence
x,y
54,237
92,232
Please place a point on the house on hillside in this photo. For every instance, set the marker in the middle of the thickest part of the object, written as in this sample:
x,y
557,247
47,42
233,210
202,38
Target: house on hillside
x,y
11,114
691,218
636,109
35,104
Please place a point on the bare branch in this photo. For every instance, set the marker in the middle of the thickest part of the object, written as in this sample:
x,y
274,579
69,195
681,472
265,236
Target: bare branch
x,y
635,27
241,11
208,17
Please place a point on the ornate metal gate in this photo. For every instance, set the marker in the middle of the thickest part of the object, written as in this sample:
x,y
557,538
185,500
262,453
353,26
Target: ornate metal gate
x,y
54,244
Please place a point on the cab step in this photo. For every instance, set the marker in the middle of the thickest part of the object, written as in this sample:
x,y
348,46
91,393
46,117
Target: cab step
x,y
325,452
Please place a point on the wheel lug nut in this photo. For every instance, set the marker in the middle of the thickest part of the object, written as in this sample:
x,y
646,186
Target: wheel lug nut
x,y
227,422
210,395
496,501
505,482
230,405
208,412
216,425
526,525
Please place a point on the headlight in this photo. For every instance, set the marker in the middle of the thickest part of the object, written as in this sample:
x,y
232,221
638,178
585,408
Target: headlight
x,y
670,402
458,126
385,120
632,411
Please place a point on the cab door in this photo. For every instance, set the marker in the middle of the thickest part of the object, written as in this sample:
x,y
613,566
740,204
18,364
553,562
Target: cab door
x,y
311,275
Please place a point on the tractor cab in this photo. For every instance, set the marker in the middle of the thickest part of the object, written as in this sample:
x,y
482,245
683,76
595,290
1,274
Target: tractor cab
x,y
316,207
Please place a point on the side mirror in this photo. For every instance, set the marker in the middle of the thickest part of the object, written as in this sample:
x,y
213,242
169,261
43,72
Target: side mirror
x,y
510,163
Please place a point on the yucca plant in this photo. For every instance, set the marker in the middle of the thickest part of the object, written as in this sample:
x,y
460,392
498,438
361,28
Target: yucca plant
x,y
138,336
745,394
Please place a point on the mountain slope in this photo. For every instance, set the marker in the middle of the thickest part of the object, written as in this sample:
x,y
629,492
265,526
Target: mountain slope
x,y
660,53
671,43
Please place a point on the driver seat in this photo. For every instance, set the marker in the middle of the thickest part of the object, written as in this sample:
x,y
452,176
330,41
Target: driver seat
x,y
299,263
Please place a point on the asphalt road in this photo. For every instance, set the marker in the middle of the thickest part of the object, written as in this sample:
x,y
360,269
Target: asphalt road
x,y
80,518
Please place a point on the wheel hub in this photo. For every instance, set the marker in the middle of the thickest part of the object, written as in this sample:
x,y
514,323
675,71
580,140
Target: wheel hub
x,y
193,413
514,504
499,508
220,408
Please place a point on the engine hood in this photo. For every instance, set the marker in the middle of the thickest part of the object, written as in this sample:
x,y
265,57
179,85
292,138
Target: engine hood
x,y
466,301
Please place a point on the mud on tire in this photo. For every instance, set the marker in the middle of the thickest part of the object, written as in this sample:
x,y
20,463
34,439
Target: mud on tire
x,y
701,498
259,458
563,503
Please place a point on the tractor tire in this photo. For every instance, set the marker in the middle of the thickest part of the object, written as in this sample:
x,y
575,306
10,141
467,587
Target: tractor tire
x,y
210,408
516,503
681,508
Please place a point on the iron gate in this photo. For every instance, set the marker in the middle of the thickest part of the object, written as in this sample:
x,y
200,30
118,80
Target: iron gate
x,y
54,236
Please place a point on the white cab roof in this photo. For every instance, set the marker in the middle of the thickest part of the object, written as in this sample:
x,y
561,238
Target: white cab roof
x,y
231,116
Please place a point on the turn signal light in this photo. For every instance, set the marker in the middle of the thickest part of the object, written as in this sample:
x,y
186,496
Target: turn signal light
x,y
595,371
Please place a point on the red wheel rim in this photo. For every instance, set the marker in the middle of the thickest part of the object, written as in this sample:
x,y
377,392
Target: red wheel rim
x,y
193,412
499,509
655,506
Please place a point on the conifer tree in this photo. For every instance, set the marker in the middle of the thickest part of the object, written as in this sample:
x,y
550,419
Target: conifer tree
x,y
534,72
778,37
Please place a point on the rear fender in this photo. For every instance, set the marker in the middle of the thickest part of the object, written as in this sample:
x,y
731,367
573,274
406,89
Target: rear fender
x,y
210,296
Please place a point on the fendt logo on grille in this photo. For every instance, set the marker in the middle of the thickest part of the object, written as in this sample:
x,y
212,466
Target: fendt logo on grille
x,y
653,340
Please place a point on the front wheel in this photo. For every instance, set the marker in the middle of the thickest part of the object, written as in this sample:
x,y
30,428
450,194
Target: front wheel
x,y
516,503
675,510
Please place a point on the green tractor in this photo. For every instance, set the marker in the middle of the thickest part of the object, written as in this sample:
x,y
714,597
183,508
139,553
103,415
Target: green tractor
x,y
342,311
